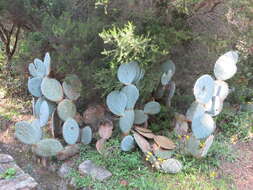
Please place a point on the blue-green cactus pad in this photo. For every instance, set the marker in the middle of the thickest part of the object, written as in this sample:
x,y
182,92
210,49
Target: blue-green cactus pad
x,y
132,94
168,66
34,85
171,166
203,126
127,73
37,69
166,77
204,89
38,103
152,107
126,121
70,131
44,113
72,86
117,102
195,110
140,117
27,133
127,143
52,89
47,63
66,109
48,147
86,135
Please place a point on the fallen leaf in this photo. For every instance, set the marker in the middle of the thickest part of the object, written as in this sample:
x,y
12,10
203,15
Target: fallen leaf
x,y
164,142
142,143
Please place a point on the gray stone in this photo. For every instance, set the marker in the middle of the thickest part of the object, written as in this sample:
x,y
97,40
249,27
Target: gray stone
x,y
96,172
65,169
21,180
5,158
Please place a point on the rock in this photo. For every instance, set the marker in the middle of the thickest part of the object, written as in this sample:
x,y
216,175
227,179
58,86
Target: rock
x,y
96,172
94,114
21,180
65,169
5,158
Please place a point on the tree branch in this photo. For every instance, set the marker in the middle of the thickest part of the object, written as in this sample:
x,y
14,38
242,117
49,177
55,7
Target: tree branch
x,y
16,42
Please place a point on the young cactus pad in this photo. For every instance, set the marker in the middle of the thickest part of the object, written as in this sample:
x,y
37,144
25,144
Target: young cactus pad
x,y
140,117
47,63
48,147
72,86
27,133
70,131
86,135
171,166
127,143
203,126
126,121
37,69
204,89
66,109
132,94
52,89
195,110
165,78
127,72
117,102
225,67
152,108
34,85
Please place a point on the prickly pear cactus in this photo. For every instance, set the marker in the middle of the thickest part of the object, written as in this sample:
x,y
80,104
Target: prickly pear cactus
x,y
126,121
37,69
86,135
34,85
72,86
117,102
66,109
132,94
27,133
152,108
127,143
52,89
140,117
47,147
70,131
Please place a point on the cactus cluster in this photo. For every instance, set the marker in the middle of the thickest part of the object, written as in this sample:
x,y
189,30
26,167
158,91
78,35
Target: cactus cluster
x,y
55,101
209,95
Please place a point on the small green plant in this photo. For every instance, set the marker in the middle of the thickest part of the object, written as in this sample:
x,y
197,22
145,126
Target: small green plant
x,y
9,173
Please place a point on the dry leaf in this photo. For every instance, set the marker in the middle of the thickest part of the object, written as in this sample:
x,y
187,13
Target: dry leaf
x,y
145,130
164,142
147,135
100,145
105,130
142,143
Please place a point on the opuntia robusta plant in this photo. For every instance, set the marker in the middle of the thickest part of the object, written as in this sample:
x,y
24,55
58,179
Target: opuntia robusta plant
x,y
54,100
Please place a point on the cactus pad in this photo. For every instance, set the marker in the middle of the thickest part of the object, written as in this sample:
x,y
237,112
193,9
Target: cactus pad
x,y
48,147
196,109
132,94
72,86
70,131
204,89
126,121
127,143
127,73
164,142
44,113
171,166
38,103
207,145
214,106
86,135
52,89
47,63
105,130
27,133
166,77
192,146
34,85
225,66
203,126
142,143
117,102
168,66
66,109
152,108
140,117
221,89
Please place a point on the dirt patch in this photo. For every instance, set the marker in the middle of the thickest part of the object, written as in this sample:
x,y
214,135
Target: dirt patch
x,y
242,169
